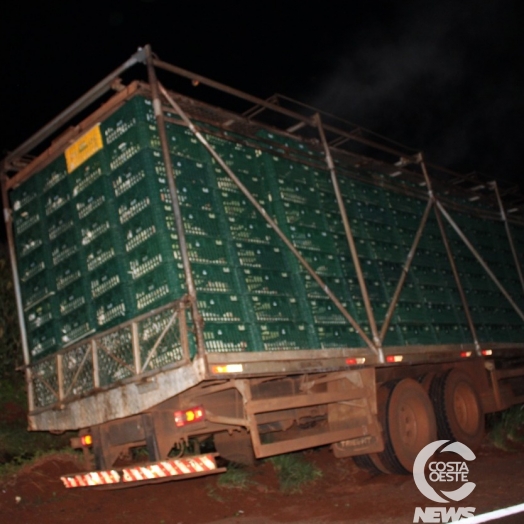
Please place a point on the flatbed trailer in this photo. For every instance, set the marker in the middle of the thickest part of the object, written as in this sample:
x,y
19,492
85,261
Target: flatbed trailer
x,y
271,279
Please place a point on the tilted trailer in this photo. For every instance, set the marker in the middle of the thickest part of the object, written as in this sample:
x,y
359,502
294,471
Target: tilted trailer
x,y
275,279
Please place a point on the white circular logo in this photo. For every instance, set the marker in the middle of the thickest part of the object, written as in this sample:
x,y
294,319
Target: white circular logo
x,y
443,471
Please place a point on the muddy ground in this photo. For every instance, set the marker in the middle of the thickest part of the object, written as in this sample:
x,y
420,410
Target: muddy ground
x,y
344,493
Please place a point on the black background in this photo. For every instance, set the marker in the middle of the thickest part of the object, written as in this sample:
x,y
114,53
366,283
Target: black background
x,y
443,77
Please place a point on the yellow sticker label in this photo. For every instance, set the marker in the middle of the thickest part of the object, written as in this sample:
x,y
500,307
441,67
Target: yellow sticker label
x,y
85,147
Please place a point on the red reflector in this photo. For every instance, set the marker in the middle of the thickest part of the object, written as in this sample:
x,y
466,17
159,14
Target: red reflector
x,y
355,361
86,440
394,358
188,416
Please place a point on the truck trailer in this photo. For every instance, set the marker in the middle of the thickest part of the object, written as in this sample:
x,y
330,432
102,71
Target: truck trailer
x,y
267,277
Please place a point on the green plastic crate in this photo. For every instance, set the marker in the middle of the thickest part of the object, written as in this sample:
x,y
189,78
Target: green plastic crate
x,y
280,336
113,307
65,246
62,221
156,288
325,264
259,255
268,308
57,197
98,224
25,199
37,288
135,139
39,260
312,239
255,230
389,252
43,341
30,240
43,312
135,111
205,250
182,142
417,334
77,324
212,279
297,193
72,297
338,336
324,311
222,307
92,200
230,337
297,215
69,271
338,285
92,173
267,282
52,174
105,248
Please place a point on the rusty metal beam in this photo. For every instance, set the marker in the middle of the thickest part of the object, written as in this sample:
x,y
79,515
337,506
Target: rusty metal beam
x,y
8,218
451,259
175,204
351,241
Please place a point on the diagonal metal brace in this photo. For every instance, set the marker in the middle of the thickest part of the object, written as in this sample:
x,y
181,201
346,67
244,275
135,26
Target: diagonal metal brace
x,y
270,221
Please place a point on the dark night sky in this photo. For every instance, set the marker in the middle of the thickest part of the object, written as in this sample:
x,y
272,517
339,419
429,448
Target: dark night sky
x,y
445,77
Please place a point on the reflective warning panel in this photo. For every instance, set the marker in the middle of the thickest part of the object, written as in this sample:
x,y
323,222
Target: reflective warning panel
x,y
85,147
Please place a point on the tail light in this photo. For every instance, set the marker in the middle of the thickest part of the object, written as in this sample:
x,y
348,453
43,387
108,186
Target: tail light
x,y
189,416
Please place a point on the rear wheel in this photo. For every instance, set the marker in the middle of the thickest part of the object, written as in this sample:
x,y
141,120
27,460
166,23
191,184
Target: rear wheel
x,y
409,424
458,409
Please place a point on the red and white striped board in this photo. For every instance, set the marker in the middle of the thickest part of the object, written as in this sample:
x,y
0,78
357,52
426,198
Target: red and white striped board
x,y
197,465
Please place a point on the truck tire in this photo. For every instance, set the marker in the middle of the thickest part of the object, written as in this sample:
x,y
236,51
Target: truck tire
x,y
409,424
235,447
458,408
366,462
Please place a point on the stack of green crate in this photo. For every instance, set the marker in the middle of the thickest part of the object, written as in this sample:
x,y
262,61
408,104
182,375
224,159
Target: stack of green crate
x,y
112,250
35,268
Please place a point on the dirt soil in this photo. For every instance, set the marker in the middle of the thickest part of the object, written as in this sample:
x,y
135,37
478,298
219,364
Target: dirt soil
x,y
343,494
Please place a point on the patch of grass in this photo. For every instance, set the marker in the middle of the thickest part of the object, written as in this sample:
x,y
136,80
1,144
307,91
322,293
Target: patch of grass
x,y
236,477
11,468
507,428
294,472
17,444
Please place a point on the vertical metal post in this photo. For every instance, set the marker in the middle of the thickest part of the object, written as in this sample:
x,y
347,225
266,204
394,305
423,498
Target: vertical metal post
x,y
350,239
157,105
136,348
60,375
182,326
96,368
18,295
508,232
451,258
405,270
